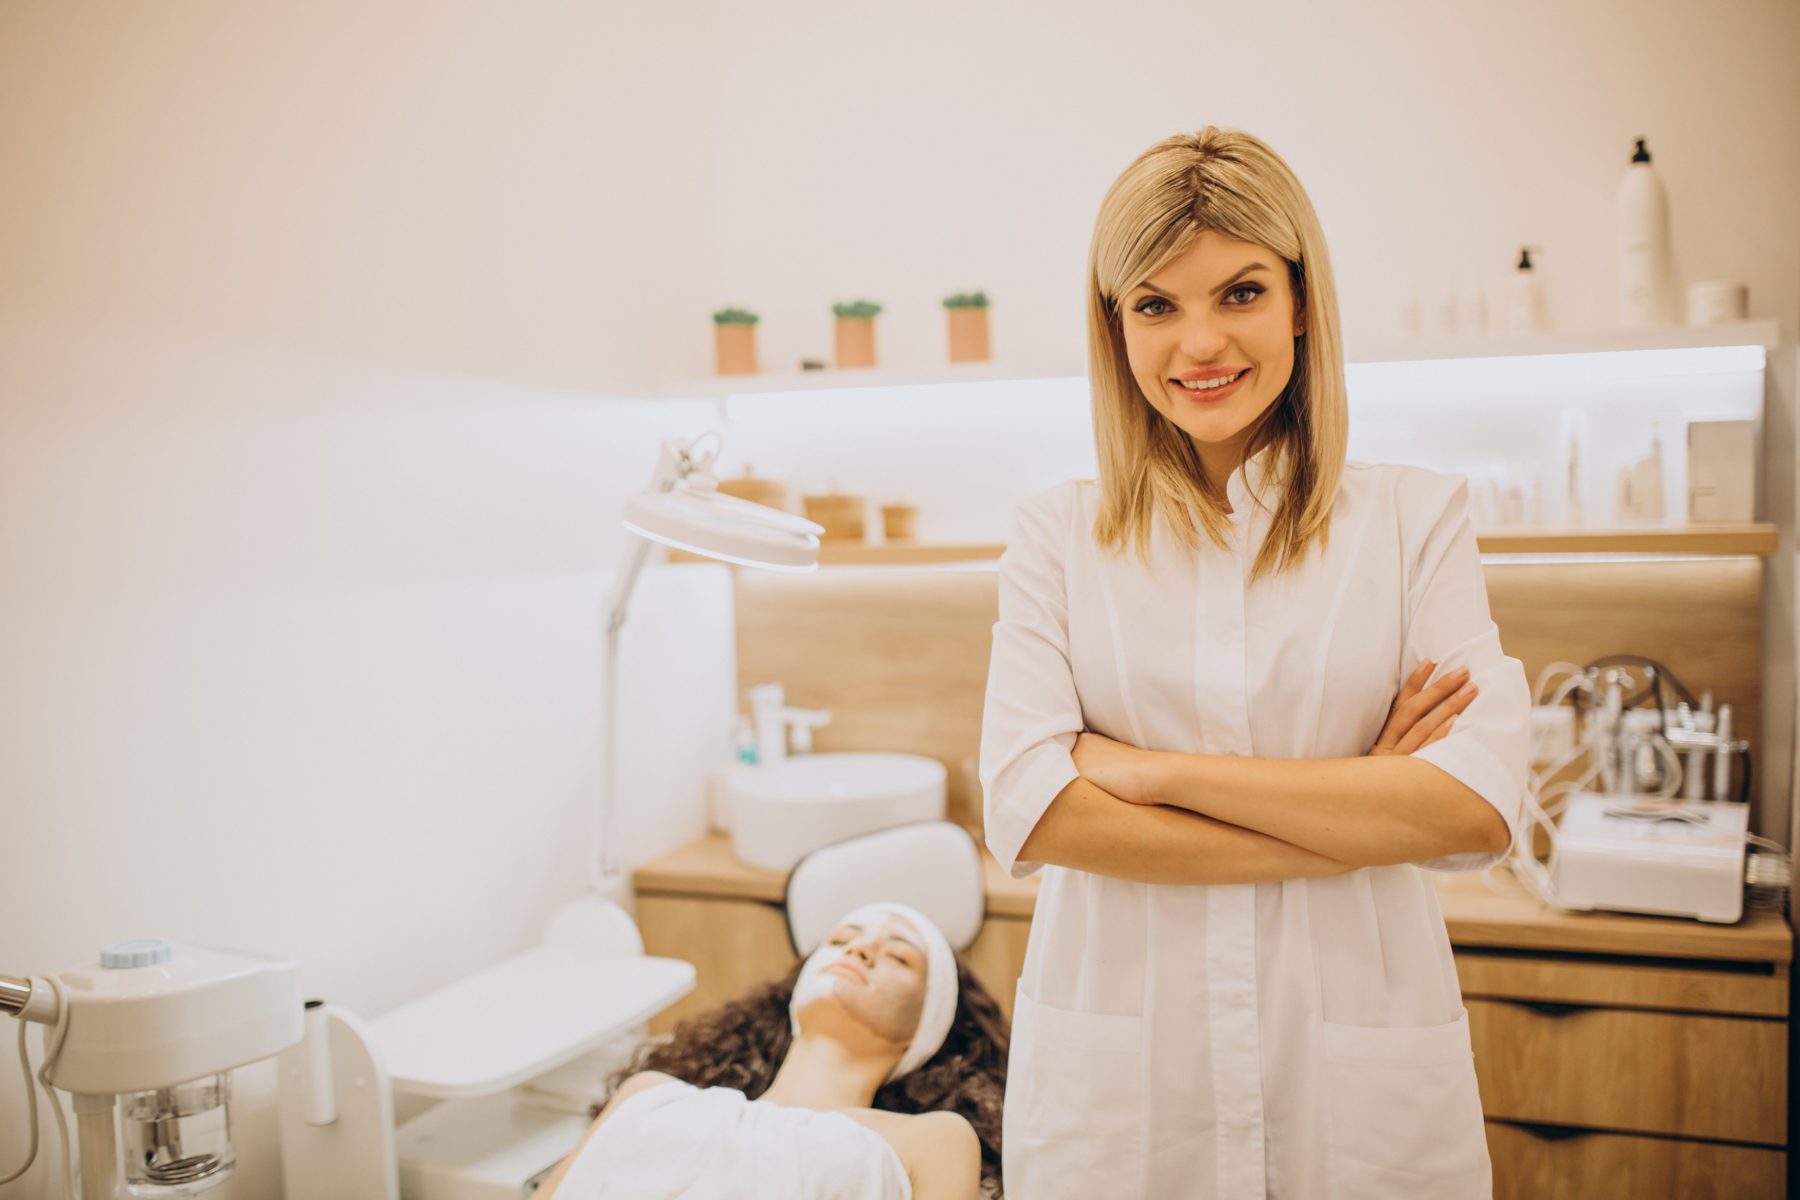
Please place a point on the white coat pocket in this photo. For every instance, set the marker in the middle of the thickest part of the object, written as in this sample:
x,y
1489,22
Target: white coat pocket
x,y
1075,1090
1405,1113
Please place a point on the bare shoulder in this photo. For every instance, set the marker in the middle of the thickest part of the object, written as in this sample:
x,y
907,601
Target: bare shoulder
x,y
940,1152
920,1133
948,1132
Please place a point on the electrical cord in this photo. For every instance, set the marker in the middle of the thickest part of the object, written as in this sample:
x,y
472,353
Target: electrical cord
x,y
1643,661
53,1041
1768,866
30,1108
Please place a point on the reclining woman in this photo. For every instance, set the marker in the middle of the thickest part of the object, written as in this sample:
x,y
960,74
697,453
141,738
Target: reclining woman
x,y
874,1070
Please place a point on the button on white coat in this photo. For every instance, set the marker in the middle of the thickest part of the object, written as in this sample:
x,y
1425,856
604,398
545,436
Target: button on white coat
x,y
1301,1038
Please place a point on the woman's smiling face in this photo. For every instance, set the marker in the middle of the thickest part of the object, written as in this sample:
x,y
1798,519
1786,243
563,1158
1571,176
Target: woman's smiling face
x,y
1221,308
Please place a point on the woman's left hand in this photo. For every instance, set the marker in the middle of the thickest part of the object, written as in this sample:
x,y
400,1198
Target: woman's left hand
x,y
1122,770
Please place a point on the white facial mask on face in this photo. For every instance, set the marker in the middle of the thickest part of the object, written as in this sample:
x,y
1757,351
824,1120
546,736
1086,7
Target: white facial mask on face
x,y
936,1013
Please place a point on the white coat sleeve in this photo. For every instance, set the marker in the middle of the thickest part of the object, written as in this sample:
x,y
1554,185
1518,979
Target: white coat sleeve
x,y
1031,716
1489,747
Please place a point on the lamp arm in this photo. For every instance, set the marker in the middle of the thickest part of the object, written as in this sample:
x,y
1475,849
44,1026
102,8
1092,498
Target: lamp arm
x,y
603,856
675,462
672,466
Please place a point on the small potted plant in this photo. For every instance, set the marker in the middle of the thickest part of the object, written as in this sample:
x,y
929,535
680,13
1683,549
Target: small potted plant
x,y
734,342
968,326
856,333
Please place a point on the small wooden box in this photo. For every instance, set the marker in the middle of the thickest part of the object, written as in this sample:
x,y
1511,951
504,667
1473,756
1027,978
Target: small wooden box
x,y
842,516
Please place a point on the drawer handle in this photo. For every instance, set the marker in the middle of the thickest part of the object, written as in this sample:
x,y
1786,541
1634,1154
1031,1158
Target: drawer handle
x,y
1549,1008
1550,1133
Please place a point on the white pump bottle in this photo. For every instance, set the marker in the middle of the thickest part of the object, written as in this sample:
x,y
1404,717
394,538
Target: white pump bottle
x,y
1646,269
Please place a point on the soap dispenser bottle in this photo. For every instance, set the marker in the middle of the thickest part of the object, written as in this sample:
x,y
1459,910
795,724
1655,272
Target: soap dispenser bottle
x,y
1646,269
1526,309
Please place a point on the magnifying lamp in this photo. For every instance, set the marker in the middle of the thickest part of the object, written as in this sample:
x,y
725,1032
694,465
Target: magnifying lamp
x,y
683,508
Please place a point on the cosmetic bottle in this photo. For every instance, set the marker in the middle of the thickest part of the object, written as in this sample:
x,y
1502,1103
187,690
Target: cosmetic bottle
x,y
1650,478
1640,491
1526,309
1646,270
1574,511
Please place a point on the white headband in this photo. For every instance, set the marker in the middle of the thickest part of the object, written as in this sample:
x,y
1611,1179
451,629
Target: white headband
x,y
938,1011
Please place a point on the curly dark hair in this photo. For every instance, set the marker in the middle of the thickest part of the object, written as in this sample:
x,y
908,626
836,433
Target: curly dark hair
x,y
741,1045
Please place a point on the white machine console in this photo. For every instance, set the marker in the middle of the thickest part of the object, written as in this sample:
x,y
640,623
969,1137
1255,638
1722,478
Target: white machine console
x,y
1631,853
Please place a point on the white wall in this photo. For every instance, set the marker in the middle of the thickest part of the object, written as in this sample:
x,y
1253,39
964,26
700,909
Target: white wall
x,y
314,320
305,657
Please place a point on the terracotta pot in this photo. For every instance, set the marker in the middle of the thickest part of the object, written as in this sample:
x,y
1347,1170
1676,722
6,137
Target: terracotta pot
x,y
734,349
855,342
968,334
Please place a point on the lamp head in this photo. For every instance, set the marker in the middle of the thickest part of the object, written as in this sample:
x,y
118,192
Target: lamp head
x,y
690,513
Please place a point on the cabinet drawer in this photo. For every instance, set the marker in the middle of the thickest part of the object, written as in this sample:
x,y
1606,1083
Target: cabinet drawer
x,y
1680,1074
1532,1163
1745,989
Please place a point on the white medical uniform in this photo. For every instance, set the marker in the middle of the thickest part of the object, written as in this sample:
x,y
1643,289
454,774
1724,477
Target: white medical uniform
x,y
1302,1038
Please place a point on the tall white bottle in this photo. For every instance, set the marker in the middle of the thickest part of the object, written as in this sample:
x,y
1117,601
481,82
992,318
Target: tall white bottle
x,y
1646,266
1526,308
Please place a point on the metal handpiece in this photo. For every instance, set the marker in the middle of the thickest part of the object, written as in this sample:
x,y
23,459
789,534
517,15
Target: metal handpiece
x,y
1722,758
14,993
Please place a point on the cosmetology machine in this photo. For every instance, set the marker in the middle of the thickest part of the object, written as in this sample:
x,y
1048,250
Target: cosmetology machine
x,y
513,1055
150,1034
1642,776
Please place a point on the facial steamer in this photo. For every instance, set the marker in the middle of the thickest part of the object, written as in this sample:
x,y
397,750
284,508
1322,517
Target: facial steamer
x,y
157,1027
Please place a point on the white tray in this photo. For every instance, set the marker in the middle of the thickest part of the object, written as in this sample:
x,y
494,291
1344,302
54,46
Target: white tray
x,y
520,1018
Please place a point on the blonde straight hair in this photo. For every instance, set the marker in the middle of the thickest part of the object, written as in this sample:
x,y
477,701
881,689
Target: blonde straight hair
x,y
1233,184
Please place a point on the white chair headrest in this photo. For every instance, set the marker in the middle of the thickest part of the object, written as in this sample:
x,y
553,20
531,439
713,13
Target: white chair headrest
x,y
933,866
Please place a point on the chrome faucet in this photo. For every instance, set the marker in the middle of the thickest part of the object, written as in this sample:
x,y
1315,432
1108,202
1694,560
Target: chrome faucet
x,y
774,718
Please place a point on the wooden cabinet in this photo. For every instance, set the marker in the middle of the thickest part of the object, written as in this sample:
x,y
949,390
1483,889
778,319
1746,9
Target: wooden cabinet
x,y
1617,1055
734,944
1621,1055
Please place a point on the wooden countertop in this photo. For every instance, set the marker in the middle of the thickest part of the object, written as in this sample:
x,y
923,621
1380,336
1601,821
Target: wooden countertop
x,y
709,868
1478,914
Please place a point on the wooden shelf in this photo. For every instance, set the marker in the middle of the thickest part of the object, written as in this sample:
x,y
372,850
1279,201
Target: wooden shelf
x,y
1693,539
709,868
1381,348
1498,911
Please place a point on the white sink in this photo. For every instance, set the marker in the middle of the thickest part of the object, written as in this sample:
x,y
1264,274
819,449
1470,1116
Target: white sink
x,y
782,810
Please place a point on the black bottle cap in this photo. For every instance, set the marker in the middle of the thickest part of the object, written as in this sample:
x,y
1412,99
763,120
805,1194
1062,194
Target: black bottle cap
x,y
1642,154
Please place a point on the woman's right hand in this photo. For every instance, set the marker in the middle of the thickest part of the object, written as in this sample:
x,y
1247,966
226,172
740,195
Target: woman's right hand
x,y
1421,715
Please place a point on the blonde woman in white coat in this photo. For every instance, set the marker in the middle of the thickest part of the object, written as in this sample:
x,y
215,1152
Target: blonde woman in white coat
x,y
1238,982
